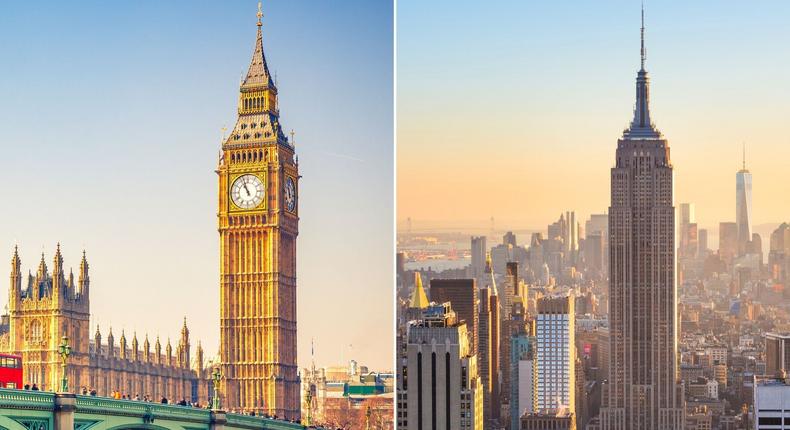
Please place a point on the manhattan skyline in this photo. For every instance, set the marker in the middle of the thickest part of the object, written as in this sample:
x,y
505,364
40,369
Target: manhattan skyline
x,y
113,126
548,108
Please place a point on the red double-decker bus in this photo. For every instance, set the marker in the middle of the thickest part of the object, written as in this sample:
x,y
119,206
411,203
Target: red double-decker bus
x,y
10,371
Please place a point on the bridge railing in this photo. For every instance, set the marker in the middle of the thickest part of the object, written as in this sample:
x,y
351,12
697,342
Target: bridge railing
x,y
96,404
28,399
45,400
254,422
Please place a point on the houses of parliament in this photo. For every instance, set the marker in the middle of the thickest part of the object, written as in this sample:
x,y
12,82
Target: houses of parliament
x,y
257,224
50,305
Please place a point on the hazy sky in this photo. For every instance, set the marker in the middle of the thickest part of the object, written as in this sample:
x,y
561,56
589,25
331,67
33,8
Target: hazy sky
x,y
111,115
513,109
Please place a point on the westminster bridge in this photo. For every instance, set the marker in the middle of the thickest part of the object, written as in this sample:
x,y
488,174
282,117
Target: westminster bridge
x,y
41,410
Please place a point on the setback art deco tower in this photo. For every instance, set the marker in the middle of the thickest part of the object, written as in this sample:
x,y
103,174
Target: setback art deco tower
x,y
258,225
643,390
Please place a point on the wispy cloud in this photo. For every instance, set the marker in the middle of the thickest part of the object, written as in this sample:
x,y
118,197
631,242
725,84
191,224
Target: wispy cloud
x,y
347,157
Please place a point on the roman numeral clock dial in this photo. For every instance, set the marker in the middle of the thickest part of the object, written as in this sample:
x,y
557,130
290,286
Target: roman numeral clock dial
x,y
247,191
290,194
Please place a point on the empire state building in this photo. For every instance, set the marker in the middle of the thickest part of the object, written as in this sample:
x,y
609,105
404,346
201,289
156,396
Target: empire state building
x,y
643,391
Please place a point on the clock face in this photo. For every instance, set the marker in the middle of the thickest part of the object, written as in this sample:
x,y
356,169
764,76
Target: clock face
x,y
247,191
290,194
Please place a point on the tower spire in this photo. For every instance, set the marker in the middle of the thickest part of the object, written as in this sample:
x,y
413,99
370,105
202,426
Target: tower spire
x,y
744,156
642,34
258,73
641,125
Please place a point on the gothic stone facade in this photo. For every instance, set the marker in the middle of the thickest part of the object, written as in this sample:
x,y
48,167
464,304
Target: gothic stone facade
x,y
53,305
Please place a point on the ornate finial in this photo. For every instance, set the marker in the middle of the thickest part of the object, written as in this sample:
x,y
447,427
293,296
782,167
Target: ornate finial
x,y
224,129
260,14
293,141
643,36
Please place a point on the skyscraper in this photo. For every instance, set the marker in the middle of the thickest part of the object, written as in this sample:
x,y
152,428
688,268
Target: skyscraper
x,y
643,390
443,389
743,206
555,359
479,251
258,224
728,241
488,352
462,294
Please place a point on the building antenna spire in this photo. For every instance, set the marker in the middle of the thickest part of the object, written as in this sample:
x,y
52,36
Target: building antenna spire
x,y
744,155
260,14
643,36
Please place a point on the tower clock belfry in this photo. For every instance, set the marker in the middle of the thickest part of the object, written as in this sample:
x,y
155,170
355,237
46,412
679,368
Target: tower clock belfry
x,y
258,224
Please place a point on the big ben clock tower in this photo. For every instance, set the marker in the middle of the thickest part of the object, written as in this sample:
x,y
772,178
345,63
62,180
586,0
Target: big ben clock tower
x,y
258,225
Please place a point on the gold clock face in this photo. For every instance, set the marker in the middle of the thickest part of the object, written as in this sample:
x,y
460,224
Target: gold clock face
x,y
247,191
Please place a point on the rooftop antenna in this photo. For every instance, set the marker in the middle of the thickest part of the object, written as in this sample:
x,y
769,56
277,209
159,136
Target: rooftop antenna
x,y
644,55
744,155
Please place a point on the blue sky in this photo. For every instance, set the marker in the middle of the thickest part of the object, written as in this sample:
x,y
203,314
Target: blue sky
x,y
112,114
519,104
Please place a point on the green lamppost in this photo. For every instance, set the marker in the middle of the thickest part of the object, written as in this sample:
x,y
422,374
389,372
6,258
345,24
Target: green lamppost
x,y
64,350
216,376
309,400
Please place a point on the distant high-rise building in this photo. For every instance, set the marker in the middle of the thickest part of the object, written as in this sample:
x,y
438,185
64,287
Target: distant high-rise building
x,y
488,352
571,236
462,294
598,223
777,353
400,263
522,350
510,294
687,229
558,229
743,206
555,358
702,242
728,241
440,379
643,392
479,251
779,253
510,288
594,251
509,239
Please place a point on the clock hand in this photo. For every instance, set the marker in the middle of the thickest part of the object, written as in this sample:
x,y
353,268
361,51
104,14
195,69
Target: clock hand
x,y
246,189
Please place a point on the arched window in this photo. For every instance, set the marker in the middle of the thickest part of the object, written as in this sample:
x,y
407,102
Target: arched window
x,y
36,334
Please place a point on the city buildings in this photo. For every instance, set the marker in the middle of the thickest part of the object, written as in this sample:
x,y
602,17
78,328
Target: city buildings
x,y
258,224
643,391
339,395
